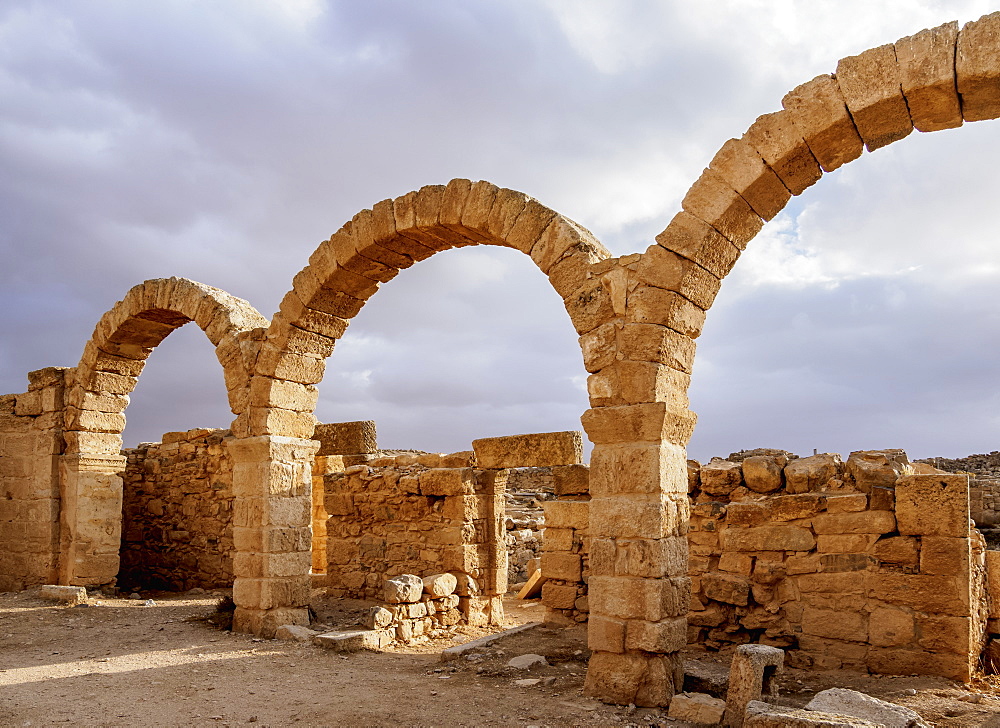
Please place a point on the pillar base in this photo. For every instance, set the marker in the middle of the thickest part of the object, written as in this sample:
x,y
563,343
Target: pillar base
x,y
646,679
265,622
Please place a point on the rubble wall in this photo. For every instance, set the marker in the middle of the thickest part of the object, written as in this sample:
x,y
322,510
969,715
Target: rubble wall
x,y
31,441
420,515
177,514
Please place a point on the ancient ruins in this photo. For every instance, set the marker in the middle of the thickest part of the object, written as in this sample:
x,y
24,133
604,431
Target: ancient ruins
x,y
777,547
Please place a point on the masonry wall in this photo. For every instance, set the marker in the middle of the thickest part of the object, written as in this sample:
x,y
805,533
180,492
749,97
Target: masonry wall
x,y
177,527
31,442
420,515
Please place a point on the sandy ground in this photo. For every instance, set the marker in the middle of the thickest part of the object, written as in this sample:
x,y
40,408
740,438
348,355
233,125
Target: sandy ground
x,y
120,662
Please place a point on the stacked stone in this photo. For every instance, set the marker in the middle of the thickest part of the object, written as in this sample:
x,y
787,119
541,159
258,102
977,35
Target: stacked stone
x,y
566,542
427,513
527,490
177,513
30,443
860,565
417,609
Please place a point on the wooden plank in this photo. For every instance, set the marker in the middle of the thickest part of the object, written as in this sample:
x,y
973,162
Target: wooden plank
x,y
532,588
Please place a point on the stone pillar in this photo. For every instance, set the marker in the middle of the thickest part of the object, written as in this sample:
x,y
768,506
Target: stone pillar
x,y
272,487
91,521
639,590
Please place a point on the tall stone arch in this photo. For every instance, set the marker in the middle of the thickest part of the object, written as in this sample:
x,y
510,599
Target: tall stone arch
x,y
97,394
272,458
933,80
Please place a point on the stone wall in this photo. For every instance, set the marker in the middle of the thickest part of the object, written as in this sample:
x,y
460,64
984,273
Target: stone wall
x,y
566,546
31,442
177,515
420,515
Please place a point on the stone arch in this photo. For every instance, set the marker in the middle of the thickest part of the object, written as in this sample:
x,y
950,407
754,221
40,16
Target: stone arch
x,y
272,464
97,395
639,421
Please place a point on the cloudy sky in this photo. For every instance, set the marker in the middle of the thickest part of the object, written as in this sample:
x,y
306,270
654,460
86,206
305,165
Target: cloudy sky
x,y
223,140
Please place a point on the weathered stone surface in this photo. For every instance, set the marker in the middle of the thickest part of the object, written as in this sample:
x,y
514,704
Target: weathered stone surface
x,y
526,662
403,589
355,641
643,680
842,701
877,468
715,202
819,112
768,538
523,451
870,83
926,64
727,588
779,143
812,473
750,675
739,164
71,595
933,505
295,632
763,715
977,68
346,438
763,473
440,585
720,477
697,708
890,627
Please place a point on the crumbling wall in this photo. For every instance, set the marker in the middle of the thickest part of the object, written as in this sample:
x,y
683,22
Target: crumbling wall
x,y
177,515
527,490
420,515
860,565
31,440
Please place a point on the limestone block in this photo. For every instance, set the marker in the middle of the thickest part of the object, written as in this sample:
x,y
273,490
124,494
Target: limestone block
x,y
405,588
561,565
944,555
638,517
664,269
841,701
720,477
728,588
739,164
842,583
847,543
640,557
558,596
667,635
632,678
644,468
943,633
926,64
779,143
698,708
767,538
819,112
634,598
544,449
794,507
860,522
835,624
933,505
571,480
736,563
747,514
993,582
440,585
762,473
715,202
877,468
889,627
355,640
699,242
567,514
71,595
751,674
346,438
894,661
848,503
922,592
651,305
812,473
871,85
977,68
635,382
447,482
652,422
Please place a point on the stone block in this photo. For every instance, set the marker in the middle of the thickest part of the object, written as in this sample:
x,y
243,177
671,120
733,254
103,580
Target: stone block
x,y
666,635
871,85
977,68
71,595
993,582
721,477
779,143
819,112
795,507
933,505
638,517
747,514
440,585
849,543
346,438
926,63
844,562
765,715
651,558
643,468
537,450
355,640
557,539
869,469
700,243
405,588
698,708
832,583
835,624
889,627
736,563
944,633
633,598
897,550
728,588
739,164
606,634
662,268
567,514
558,596
561,565
945,556
922,592
763,473
768,538
841,701
876,522
812,473
632,678
751,674
894,661
447,482
571,480
849,503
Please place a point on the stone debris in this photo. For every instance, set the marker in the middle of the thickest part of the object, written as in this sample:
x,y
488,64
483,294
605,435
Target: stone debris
x,y
751,675
528,682
526,662
440,585
71,595
764,715
697,708
858,705
453,653
295,632
355,640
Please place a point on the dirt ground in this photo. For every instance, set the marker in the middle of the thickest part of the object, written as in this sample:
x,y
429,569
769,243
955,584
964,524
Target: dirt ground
x,y
122,662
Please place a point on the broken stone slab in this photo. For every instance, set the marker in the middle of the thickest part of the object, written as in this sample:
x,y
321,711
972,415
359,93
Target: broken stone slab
x,y
295,632
440,585
705,677
379,617
751,674
403,589
697,708
528,682
355,640
526,662
764,715
71,595
858,705
454,653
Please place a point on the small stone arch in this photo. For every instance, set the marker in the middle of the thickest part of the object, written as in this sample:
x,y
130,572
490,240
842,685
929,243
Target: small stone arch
x,y
97,394
272,463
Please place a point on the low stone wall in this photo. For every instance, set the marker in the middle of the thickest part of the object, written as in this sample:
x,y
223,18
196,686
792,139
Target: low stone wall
x,y
177,530
30,445
419,515
566,546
